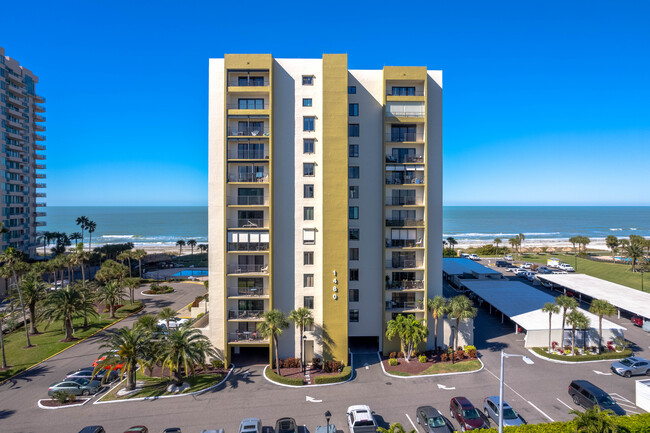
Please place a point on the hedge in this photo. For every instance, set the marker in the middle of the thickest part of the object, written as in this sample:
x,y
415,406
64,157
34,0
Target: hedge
x,y
283,380
341,377
629,424
608,355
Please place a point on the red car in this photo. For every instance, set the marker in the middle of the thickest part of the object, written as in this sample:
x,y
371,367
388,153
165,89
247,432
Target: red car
x,y
108,367
637,321
464,412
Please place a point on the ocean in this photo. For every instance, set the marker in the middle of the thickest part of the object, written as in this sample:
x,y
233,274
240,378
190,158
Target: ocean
x,y
469,225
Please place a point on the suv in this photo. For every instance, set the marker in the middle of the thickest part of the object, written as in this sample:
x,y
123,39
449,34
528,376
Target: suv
x,y
631,366
502,264
463,411
286,425
474,257
588,395
251,425
566,267
360,419
510,417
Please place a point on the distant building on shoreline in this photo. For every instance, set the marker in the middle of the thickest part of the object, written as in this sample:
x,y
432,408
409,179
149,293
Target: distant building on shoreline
x,y
22,179
325,193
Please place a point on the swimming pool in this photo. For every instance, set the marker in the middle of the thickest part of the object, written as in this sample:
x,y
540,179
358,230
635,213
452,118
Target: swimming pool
x,y
191,273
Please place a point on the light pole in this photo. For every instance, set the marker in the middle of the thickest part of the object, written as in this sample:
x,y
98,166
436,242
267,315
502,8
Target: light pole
x,y
504,355
328,415
302,353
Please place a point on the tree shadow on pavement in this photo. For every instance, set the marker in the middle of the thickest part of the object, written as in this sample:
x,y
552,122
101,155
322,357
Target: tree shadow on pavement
x,y
6,413
26,376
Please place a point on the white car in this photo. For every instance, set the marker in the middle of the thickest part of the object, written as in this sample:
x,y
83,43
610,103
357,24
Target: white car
x,y
530,276
525,265
566,267
508,257
518,271
174,322
464,256
474,257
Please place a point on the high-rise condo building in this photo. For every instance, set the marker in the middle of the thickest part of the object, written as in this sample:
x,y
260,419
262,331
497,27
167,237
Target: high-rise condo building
x,y
325,193
21,116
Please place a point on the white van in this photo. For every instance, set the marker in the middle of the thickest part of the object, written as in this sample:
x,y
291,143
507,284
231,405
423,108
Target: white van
x,y
553,262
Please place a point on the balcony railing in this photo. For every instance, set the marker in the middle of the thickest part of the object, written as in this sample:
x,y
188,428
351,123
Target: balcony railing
x,y
39,137
39,166
248,106
248,223
402,92
40,204
248,269
39,185
39,108
248,83
246,337
39,156
40,194
399,137
248,177
406,285
403,243
245,314
16,101
390,222
399,264
396,305
404,159
404,113
39,146
38,118
40,223
404,180
248,246
39,127
403,201
17,90
40,214
16,78
248,291
248,154
39,98
248,200
40,176
251,132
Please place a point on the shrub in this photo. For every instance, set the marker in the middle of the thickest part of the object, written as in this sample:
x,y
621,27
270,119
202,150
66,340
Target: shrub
x,y
471,351
607,355
60,396
422,359
217,363
315,362
291,363
341,377
400,354
200,315
392,362
460,354
392,355
444,357
72,398
284,380
332,366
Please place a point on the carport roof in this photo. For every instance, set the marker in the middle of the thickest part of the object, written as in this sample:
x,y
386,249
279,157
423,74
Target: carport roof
x,y
623,297
523,304
453,266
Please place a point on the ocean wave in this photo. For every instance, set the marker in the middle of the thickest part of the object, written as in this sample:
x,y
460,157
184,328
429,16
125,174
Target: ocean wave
x,y
117,236
616,230
485,235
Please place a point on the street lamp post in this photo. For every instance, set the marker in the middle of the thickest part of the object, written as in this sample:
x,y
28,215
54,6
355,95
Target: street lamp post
x,y
504,355
328,415
302,353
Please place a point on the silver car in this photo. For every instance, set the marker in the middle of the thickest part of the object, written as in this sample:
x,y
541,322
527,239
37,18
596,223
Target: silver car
x,y
77,386
631,366
251,425
510,417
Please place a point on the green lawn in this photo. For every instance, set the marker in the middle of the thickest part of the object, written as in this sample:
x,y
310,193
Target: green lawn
x,y
156,387
615,272
48,343
200,260
445,367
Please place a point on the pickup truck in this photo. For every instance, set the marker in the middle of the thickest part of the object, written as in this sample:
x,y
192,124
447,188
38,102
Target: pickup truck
x,y
360,419
566,267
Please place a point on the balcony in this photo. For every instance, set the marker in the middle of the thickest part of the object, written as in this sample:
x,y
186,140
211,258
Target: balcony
x,y
404,201
14,135
16,79
249,105
392,179
17,90
40,214
248,154
41,195
402,137
14,111
39,108
247,200
248,246
40,223
40,204
39,166
39,185
40,128
15,125
391,222
39,137
404,264
248,269
249,132
404,243
397,113
248,292
40,176
406,285
39,99
38,118
246,337
404,92
17,102
404,159
396,305
247,82
39,146
39,156
248,223
248,177
247,315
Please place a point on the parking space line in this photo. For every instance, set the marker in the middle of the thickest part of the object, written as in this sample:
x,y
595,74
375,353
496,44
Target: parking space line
x,y
540,411
411,421
570,408
626,405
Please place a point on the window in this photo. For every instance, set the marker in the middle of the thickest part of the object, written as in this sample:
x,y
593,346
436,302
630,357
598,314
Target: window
x,y
354,275
308,258
309,236
308,280
308,124
353,110
354,316
354,254
250,104
308,213
403,91
353,172
308,191
353,151
307,80
353,130
352,90
306,102
308,145
354,234
308,302
353,191
308,169
353,212
353,295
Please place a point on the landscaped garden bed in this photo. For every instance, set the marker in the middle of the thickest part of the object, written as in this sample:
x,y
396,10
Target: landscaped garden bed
x,y
157,289
71,401
580,355
432,362
292,374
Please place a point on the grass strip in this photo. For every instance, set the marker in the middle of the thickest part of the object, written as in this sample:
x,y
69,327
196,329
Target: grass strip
x,y
157,387
581,358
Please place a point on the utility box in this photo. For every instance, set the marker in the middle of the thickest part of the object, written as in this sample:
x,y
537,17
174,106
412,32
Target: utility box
x,y
643,394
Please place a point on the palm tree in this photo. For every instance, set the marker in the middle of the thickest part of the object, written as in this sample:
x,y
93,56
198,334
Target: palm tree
x,y
576,320
126,346
82,222
192,243
551,309
460,308
301,317
91,226
125,256
148,322
110,295
394,428
139,255
132,284
33,289
3,316
79,258
594,420
186,347
634,251
181,244
111,271
46,238
565,303
87,302
497,241
203,248
438,308
513,243
13,260
271,328
65,304
600,308
612,243
76,236
166,314
451,241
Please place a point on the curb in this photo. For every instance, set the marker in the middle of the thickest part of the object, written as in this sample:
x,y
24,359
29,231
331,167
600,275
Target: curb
x,y
429,375
557,361
72,345
87,399
352,376
161,396
160,294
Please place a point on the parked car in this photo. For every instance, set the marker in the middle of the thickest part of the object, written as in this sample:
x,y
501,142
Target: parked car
x,y
510,417
360,419
174,323
108,367
432,420
637,321
566,267
587,395
508,257
464,256
632,366
553,262
137,429
474,257
87,373
518,271
543,270
525,265
92,429
464,412
502,264
172,430
251,425
530,276
286,425
77,386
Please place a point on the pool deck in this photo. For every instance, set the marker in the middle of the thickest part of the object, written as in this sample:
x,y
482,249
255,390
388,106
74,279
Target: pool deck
x,y
166,274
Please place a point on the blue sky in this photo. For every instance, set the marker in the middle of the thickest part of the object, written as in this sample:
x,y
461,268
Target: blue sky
x,y
544,103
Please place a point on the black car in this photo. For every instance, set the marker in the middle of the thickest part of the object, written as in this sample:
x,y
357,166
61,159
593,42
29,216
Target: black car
x,y
588,395
432,420
93,429
502,264
286,425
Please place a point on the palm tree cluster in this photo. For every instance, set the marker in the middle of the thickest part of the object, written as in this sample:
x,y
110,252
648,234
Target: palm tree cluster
x,y
636,250
516,242
580,242
87,224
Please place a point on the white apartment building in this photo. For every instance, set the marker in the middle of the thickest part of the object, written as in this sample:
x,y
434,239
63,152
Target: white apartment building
x,y
325,193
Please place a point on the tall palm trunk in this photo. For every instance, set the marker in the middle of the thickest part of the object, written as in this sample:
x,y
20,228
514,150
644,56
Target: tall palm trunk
x,y
32,318
301,344
83,275
563,323
573,341
22,307
453,349
69,330
2,346
600,332
277,354
140,267
129,259
549,331
435,331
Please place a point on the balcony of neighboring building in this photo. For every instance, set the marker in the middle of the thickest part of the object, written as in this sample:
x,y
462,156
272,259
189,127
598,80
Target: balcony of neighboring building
x,y
40,204
404,154
14,135
251,104
39,99
408,260
248,81
40,176
249,127
40,128
405,281
404,197
15,78
249,292
40,185
14,111
40,195
249,220
248,150
39,108
39,156
15,124
40,214
248,242
40,223
20,103
238,200
16,92
39,147
39,137
248,173
245,333
405,111
404,175
405,91
405,218
39,118
405,133
248,310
